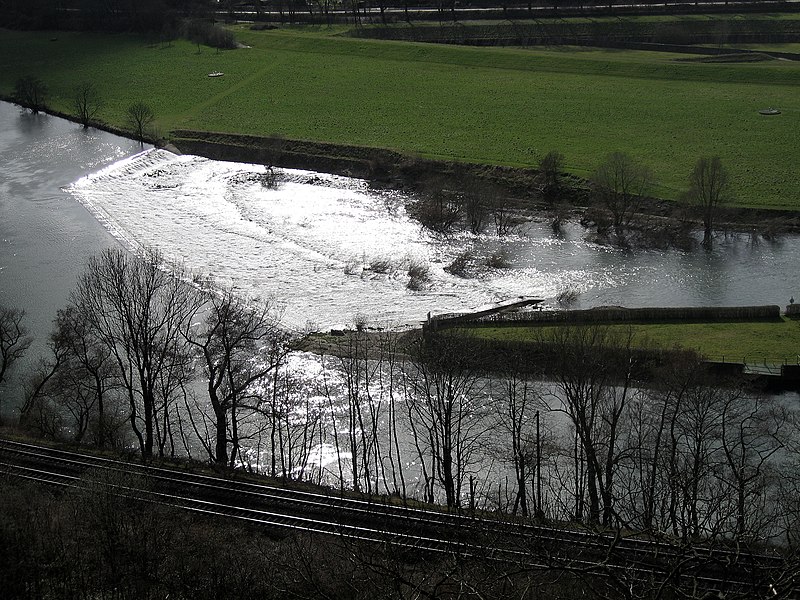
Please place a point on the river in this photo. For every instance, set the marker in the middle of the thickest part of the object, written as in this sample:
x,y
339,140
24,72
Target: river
x,y
327,248
45,235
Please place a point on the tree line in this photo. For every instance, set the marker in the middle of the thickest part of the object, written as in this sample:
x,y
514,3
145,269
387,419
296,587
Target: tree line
x,y
150,357
617,192
140,16
620,183
32,93
169,365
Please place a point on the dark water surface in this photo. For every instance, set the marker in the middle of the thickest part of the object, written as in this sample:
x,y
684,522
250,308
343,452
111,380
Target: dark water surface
x,y
45,234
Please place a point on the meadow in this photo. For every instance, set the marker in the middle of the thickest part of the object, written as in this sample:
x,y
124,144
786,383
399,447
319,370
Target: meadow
x,y
753,342
505,106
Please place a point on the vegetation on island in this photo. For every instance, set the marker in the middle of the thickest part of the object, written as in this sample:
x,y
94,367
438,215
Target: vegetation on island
x,y
756,342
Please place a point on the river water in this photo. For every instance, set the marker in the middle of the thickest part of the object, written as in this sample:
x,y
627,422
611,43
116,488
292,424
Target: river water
x,y
45,235
326,248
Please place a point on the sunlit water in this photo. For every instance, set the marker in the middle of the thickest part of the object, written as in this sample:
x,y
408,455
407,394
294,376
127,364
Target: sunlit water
x,y
45,235
328,248
315,242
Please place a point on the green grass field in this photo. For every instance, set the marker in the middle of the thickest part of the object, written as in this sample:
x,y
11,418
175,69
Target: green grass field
x,y
491,105
753,342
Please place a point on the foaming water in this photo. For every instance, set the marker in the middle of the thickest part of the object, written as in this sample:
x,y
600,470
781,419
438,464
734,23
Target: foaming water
x,y
330,248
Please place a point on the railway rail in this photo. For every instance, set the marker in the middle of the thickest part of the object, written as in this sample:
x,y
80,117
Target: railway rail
x,y
524,544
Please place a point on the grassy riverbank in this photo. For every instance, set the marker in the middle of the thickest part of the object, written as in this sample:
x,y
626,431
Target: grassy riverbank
x,y
488,105
770,341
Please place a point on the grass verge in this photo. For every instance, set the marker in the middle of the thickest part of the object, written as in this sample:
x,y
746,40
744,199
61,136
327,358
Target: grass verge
x,y
752,342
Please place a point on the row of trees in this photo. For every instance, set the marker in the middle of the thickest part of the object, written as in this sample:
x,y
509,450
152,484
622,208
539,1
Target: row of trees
x,y
620,183
141,16
582,441
128,347
32,93
475,205
682,460
618,189
174,367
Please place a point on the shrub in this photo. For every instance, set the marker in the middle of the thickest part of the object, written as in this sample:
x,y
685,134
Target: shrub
x,y
437,212
352,267
360,322
204,32
380,265
460,267
380,168
550,167
30,92
418,275
269,179
597,217
567,297
499,260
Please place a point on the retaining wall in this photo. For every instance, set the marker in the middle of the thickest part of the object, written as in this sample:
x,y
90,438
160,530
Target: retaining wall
x,y
700,314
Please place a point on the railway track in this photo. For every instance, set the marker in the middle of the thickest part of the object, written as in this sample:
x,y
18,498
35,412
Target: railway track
x,y
424,531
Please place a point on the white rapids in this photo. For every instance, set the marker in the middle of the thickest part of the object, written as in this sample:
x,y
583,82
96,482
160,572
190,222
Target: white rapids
x,y
309,243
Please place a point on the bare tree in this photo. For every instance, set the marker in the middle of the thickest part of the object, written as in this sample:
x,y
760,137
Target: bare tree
x,y
475,212
549,177
388,355
14,339
31,92
38,411
502,215
86,102
749,438
358,374
619,183
593,373
14,342
693,459
140,117
367,364
438,211
69,393
38,415
650,427
137,308
239,344
85,384
445,413
270,156
292,422
519,418
709,187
